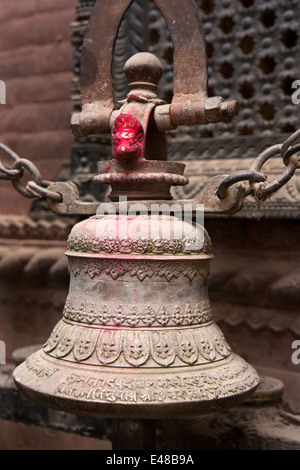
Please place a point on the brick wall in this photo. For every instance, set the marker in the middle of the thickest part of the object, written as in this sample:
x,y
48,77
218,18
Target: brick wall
x,y
35,64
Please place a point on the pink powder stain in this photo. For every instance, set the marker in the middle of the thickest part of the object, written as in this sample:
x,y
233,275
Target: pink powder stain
x,y
128,138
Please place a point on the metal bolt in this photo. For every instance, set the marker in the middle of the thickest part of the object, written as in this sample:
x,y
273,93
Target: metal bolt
x,y
216,109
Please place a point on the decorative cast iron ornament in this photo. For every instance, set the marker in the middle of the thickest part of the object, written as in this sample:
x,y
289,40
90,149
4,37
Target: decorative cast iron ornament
x,y
137,338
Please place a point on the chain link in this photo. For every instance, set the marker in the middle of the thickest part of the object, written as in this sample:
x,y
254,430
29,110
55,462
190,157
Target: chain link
x,y
37,188
287,143
258,186
42,191
245,175
25,164
8,173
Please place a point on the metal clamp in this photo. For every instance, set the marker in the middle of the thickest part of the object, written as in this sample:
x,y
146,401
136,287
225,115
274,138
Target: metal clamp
x,y
71,204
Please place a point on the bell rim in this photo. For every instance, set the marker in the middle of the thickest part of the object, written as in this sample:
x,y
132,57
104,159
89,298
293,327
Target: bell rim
x,y
36,391
127,257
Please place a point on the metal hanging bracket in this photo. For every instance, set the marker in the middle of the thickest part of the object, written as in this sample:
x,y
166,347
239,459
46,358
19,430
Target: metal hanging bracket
x,y
143,119
190,104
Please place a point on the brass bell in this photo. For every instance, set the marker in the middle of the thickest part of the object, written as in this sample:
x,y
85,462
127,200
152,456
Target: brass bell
x,y
137,338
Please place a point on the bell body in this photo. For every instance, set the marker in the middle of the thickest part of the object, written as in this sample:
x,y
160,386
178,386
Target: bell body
x,y
137,338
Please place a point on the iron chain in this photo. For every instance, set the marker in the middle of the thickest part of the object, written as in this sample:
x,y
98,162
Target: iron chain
x,y
258,186
37,187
